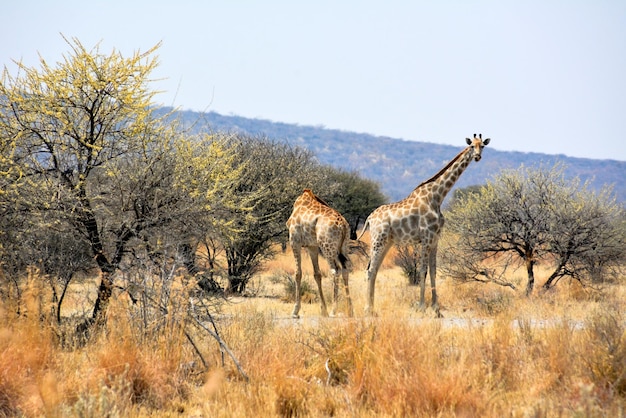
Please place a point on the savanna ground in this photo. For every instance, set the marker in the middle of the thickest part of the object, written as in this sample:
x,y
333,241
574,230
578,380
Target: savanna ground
x,y
495,353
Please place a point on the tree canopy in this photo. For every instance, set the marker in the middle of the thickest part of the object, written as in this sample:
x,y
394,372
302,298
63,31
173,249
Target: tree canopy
x,y
64,127
534,215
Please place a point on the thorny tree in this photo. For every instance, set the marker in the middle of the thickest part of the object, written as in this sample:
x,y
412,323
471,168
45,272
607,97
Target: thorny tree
x,y
272,176
534,215
61,124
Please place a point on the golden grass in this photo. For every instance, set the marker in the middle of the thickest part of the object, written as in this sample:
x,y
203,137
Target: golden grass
x,y
495,353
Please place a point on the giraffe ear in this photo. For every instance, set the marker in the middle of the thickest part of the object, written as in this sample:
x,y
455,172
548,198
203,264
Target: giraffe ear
x,y
469,141
486,141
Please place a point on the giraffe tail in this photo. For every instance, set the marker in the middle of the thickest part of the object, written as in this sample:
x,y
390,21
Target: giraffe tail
x,y
343,260
360,246
344,250
365,228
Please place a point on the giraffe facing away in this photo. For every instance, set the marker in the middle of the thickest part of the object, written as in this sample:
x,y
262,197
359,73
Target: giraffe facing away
x,y
417,220
319,228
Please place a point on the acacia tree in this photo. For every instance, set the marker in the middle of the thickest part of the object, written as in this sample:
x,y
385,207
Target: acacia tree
x,y
587,235
209,174
272,176
62,124
530,215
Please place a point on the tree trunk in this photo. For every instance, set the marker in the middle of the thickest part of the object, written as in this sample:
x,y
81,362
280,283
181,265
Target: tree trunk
x,y
548,284
555,274
90,223
188,254
66,284
105,290
236,285
530,263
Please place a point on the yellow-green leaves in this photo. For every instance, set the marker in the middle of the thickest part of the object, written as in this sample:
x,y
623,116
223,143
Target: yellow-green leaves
x,y
206,168
77,114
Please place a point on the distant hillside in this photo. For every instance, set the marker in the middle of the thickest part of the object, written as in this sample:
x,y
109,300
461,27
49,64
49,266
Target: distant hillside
x,y
400,165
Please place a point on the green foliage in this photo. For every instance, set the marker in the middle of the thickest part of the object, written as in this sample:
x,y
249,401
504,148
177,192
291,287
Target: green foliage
x,y
209,173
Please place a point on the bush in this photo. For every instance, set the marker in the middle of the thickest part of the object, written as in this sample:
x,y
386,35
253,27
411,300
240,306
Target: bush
x,y
408,259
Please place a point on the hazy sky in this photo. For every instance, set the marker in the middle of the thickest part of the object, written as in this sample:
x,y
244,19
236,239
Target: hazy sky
x,y
535,76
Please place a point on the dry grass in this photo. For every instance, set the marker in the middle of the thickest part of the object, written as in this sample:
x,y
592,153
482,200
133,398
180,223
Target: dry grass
x,y
496,353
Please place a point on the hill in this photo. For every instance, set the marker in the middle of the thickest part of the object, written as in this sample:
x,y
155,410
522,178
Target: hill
x,y
400,165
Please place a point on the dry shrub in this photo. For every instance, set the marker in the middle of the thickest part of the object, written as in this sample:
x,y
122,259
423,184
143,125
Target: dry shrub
x,y
575,291
11,379
143,368
409,370
247,330
100,402
408,259
604,354
333,349
493,302
556,347
27,346
527,359
307,293
287,376
499,348
124,368
291,398
26,385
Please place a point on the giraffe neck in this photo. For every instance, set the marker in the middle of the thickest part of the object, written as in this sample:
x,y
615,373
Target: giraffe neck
x,y
441,183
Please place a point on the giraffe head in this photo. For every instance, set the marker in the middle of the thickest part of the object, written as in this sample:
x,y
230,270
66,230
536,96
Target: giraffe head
x,y
477,144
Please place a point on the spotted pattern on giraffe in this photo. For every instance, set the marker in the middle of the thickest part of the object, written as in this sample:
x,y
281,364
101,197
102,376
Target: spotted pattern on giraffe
x,y
318,228
417,220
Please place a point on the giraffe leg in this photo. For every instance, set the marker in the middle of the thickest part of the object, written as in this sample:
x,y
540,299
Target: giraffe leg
x,y
432,267
379,250
422,277
344,274
317,275
345,277
298,257
342,265
334,271
334,265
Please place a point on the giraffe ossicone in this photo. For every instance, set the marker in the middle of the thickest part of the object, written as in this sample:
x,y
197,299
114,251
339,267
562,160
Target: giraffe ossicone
x,y
316,226
417,220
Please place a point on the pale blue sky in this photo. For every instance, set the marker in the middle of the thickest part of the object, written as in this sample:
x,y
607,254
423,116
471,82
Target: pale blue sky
x,y
536,76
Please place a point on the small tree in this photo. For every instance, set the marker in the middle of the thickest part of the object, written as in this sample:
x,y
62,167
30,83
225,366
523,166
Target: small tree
x,y
271,176
587,237
62,124
408,259
529,215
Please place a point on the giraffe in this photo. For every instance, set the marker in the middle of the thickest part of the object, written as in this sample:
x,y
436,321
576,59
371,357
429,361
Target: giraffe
x,y
417,220
319,228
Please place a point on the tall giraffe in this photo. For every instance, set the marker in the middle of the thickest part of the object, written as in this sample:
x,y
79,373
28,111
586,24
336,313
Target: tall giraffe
x,y
417,220
319,228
